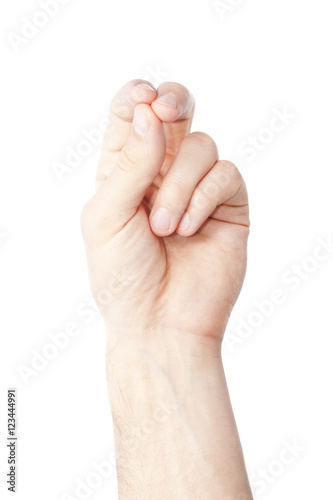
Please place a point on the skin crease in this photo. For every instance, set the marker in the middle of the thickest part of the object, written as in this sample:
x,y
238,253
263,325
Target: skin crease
x,y
166,293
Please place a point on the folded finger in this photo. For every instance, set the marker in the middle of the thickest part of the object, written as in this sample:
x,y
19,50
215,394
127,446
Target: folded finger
x,y
195,157
220,195
119,123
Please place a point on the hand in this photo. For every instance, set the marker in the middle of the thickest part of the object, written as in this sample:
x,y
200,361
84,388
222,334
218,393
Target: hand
x,y
166,231
166,236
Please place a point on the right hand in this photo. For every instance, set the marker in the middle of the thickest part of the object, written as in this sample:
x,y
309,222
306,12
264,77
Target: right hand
x,y
153,274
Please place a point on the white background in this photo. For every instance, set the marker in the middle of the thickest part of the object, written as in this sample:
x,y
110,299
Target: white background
x,y
259,57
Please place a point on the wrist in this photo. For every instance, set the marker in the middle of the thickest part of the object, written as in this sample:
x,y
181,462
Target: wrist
x,y
158,363
170,406
161,344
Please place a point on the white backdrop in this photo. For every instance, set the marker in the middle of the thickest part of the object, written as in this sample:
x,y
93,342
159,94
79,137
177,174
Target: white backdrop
x,y
246,62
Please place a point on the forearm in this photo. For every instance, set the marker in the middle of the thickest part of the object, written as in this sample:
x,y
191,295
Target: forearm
x,y
175,433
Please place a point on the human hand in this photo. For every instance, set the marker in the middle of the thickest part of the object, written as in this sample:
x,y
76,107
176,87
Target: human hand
x,y
165,287
166,231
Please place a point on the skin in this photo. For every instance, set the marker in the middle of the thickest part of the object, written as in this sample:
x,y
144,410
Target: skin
x,y
166,287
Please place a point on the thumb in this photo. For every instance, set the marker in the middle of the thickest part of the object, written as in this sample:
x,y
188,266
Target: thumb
x,y
138,164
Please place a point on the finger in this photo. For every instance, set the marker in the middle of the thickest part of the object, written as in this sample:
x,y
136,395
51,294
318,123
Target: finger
x,y
119,123
196,156
174,105
118,199
221,195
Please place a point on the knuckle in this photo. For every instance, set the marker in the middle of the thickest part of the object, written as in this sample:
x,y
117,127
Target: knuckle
x,y
229,167
200,140
229,171
174,190
121,108
126,160
173,193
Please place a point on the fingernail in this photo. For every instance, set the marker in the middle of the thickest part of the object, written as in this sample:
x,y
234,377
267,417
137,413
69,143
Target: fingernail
x,y
168,99
147,86
140,122
184,222
161,220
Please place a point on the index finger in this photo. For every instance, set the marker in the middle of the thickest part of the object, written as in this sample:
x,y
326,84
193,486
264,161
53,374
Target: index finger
x,y
120,121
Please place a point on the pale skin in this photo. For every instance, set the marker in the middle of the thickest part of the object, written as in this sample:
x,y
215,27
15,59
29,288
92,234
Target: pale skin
x,y
166,236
